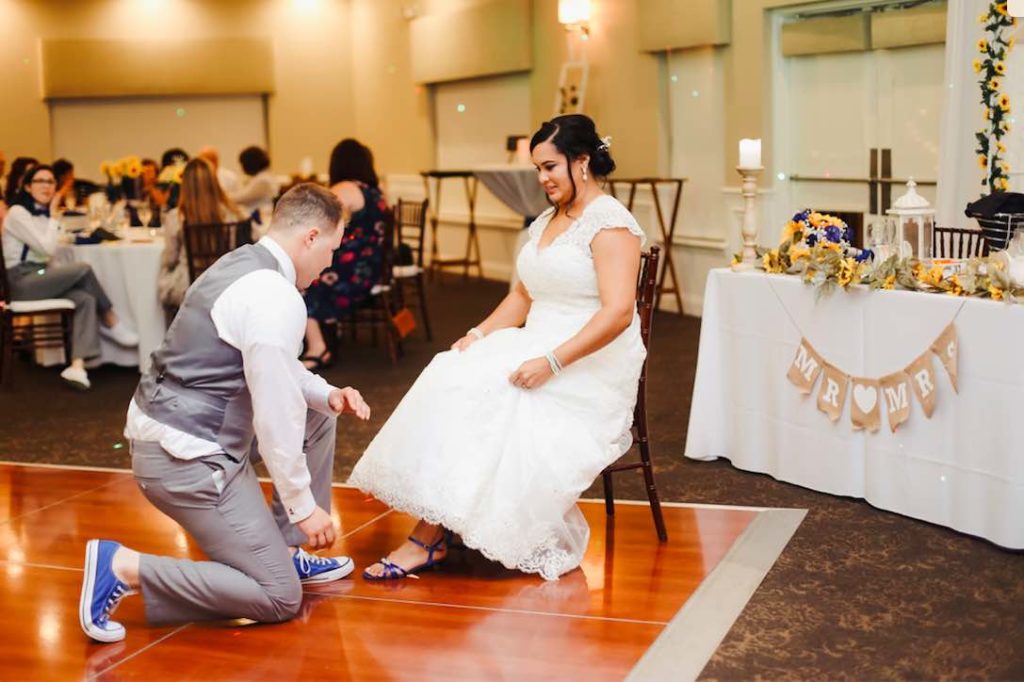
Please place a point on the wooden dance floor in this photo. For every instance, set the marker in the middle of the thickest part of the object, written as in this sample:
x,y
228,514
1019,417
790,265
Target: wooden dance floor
x,y
469,620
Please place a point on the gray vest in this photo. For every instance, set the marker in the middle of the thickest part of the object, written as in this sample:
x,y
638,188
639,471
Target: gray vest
x,y
195,382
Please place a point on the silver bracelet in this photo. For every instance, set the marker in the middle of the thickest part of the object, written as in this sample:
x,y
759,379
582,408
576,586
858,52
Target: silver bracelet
x,y
473,331
553,363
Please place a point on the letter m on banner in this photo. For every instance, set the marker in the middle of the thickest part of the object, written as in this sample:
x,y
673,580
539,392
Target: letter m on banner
x,y
806,367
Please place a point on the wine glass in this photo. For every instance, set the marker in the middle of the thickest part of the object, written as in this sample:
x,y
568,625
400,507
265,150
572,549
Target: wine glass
x,y
145,212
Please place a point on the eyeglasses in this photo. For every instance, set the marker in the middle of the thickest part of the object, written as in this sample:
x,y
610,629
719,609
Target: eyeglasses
x,y
44,182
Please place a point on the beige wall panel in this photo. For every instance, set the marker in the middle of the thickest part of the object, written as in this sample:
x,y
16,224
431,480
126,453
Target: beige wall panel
x,y
311,107
122,68
482,40
923,25
674,24
825,35
622,95
392,113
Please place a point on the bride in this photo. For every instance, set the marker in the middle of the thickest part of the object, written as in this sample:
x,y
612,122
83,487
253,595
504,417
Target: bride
x,y
499,436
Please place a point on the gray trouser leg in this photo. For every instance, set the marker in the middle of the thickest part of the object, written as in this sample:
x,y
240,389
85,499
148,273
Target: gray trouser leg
x,y
75,281
321,432
219,502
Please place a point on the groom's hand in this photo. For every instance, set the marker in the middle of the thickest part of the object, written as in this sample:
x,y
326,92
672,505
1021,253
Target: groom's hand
x,y
319,528
348,401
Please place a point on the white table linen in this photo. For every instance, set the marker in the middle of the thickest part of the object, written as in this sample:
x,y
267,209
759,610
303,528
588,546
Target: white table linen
x,y
516,186
128,272
963,468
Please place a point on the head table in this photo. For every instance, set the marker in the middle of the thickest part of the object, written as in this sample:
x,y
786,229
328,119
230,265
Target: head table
x,y
962,468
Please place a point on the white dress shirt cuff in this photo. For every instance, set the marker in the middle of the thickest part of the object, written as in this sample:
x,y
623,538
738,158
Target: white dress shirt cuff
x,y
300,506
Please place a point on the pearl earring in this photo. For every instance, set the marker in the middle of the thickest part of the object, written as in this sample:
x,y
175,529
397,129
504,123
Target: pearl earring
x,y
584,174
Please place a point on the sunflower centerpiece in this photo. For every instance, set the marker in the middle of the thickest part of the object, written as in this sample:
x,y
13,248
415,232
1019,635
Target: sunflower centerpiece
x,y
816,246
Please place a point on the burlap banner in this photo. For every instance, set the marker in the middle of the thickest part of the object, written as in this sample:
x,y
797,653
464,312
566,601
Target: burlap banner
x,y
870,397
833,392
947,347
864,410
805,368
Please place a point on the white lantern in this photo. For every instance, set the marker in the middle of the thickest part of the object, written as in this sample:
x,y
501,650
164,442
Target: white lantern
x,y
914,222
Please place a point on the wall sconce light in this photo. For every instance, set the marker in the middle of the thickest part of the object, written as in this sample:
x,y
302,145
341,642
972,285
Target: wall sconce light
x,y
575,16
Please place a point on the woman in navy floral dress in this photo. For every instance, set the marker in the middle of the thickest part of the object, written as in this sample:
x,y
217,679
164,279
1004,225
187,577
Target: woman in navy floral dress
x,y
344,286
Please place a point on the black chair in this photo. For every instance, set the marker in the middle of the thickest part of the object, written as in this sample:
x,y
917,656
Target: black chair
x,y
410,231
206,242
21,328
646,291
958,242
378,311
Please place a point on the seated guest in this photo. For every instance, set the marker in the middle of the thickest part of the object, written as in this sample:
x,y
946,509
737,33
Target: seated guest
x,y
227,178
202,202
150,187
19,167
150,193
3,199
355,268
74,190
29,241
256,197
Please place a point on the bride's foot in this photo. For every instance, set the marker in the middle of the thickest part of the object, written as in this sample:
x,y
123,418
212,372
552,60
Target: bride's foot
x,y
420,551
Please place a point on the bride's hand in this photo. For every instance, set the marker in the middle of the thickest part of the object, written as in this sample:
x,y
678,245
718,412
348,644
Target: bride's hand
x,y
531,374
465,342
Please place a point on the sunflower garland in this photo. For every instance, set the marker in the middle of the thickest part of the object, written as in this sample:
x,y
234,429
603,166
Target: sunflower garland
x,y
991,67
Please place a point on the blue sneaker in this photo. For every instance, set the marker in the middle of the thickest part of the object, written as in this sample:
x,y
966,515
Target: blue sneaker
x,y
318,569
101,592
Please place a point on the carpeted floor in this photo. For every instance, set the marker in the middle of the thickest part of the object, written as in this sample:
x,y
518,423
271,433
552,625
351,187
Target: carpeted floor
x,y
858,593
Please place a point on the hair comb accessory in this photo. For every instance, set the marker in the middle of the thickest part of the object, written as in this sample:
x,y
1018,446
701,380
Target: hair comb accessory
x,y
606,143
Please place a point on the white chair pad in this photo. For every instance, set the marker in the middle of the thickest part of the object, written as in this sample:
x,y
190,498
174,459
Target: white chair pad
x,y
42,305
406,270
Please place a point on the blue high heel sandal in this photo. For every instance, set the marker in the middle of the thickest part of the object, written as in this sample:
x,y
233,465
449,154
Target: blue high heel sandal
x,y
393,571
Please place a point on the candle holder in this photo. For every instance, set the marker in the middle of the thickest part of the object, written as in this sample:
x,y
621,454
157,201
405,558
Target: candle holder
x,y
749,226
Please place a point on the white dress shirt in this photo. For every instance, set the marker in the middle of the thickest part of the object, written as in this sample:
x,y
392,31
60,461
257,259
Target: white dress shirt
x,y
38,232
262,314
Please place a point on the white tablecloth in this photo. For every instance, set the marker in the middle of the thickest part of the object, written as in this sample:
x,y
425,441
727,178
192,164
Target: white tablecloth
x,y
963,468
516,186
128,272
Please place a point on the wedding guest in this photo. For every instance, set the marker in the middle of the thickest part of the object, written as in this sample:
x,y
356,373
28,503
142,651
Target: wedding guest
x,y
202,202
150,185
3,197
257,194
225,390
500,435
30,239
355,268
227,178
19,167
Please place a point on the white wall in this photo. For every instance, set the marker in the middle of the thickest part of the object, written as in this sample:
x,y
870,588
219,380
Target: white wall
x,y
91,131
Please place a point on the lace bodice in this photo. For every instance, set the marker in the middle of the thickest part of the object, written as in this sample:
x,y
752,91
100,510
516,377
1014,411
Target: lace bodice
x,y
563,272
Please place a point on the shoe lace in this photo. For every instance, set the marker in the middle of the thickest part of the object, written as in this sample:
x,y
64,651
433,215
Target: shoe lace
x,y
306,560
113,601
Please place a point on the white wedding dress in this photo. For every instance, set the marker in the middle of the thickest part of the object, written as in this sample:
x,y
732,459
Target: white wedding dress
x,y
504,466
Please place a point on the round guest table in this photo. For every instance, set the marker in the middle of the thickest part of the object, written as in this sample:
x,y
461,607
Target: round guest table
x,y
128,271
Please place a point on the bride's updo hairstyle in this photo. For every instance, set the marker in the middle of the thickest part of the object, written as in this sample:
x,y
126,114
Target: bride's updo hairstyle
x,y
575,135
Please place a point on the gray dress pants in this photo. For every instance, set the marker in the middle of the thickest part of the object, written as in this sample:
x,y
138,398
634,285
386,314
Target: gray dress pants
x,y
219,502
76,281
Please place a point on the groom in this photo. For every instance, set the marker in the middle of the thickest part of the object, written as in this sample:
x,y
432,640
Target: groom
x,y
227,376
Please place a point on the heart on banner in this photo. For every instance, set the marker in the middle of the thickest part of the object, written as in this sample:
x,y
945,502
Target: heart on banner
x,y
864,409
